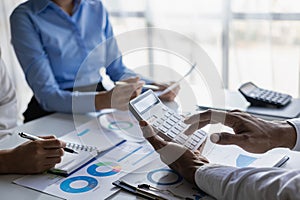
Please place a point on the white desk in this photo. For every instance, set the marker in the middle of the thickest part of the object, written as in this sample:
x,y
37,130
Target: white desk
x,y
60,124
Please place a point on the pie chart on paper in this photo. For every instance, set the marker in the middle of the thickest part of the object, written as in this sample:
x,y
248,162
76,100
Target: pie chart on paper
x,y
123,123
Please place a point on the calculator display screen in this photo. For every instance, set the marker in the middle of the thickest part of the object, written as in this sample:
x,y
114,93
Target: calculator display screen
x,y
146,103
248,88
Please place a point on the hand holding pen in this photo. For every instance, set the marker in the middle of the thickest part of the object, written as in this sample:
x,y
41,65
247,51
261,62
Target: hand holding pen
x,y
33,157
34,138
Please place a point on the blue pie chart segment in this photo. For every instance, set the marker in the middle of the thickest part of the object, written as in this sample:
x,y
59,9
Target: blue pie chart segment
x,y
164,177
102,169
90,184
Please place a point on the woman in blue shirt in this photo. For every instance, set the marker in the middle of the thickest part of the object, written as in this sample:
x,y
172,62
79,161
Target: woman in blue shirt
x,y
51,40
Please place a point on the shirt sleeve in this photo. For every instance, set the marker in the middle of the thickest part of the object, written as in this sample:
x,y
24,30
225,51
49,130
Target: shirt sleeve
x,y
296,123
224,182
37,68
8,102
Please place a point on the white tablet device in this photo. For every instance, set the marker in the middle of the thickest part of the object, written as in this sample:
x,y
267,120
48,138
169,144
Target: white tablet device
x,y
169,124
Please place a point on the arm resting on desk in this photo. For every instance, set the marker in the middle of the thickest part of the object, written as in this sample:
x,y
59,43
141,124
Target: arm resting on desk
x,y
224,182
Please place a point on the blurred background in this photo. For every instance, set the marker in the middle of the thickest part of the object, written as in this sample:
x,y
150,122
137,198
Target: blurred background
x,y
248,40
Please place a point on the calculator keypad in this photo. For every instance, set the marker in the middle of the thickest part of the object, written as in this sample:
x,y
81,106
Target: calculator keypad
x,y
270,97
171,124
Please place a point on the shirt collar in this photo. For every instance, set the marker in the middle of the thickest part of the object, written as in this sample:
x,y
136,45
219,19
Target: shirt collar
x,y
40,5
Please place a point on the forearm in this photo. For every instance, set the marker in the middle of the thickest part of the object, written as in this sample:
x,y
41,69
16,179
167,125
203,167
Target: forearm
x,y
67,102
224,182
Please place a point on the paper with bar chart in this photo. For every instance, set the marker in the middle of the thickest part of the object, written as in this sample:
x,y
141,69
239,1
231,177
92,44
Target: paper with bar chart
x,y
235,156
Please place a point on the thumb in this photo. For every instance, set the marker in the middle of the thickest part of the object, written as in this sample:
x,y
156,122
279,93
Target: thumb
x,y
151,136
226,138
132,79
48,137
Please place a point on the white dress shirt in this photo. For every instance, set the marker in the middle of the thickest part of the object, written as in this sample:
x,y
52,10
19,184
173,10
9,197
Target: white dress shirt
x,y
8,102
296,124
223,182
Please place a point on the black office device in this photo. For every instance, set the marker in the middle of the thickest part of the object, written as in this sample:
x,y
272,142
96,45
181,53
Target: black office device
x,y
264,98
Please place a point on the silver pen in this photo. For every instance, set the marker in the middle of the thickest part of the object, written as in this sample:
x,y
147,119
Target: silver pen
x,y
153,87
33,138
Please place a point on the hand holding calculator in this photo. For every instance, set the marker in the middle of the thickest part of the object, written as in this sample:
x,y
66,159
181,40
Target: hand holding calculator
x,y
166,122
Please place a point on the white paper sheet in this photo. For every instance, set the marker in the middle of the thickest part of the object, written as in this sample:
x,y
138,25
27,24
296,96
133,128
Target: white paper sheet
x,y
160,176
92,134
94,181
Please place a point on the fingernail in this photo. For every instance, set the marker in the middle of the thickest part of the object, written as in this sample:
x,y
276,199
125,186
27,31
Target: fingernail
x,y
215,137
143,123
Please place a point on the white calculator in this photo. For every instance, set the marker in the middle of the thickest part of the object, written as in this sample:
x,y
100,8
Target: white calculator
x,y
169,124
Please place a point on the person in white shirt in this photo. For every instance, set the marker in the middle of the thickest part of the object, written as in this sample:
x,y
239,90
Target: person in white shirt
x,y
224,182
30,157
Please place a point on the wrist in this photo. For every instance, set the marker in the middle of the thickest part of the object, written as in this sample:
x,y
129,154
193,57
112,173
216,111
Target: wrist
x,y
102,100
287,135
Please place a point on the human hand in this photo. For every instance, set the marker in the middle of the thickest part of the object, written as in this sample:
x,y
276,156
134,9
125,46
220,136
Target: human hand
x,y
120,95
35,156
169,96
138,83
252,134
176,156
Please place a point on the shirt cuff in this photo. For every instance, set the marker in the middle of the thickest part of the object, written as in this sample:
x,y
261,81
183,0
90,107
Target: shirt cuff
x,y
200,174
83,102
209,178
296,123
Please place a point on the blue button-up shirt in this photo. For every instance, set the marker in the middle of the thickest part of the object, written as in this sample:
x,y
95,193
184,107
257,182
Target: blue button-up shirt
x,y
51,46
